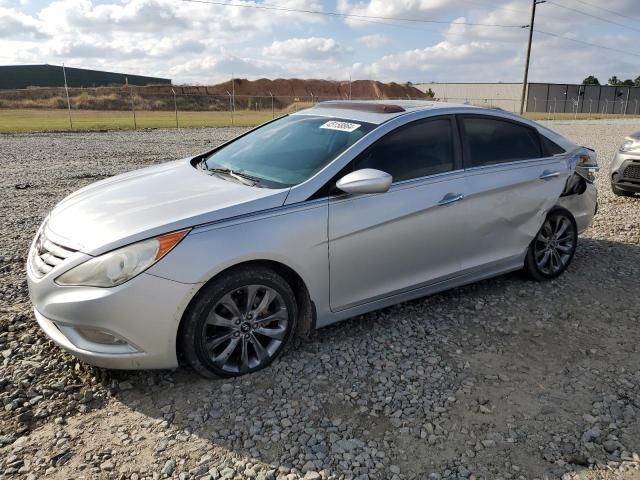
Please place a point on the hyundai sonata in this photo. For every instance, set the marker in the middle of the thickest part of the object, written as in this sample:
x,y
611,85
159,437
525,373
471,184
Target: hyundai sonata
x,y
347,207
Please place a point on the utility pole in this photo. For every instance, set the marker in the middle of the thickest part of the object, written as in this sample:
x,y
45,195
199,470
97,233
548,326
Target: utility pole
x,y
66,89
233,93
273,112
578,102
133,104
526,67
175,106
626,104
231,108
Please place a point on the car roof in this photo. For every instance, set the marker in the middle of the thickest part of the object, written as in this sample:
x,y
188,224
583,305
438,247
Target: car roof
x,y
375,111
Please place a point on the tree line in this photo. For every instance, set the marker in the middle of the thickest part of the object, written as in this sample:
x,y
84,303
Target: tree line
x,y
614,81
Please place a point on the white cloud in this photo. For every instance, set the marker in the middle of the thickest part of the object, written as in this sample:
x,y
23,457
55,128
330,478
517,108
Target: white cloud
x,y
14,24
204,43
477,54
394,9
220,67
155,37
312,48
373,41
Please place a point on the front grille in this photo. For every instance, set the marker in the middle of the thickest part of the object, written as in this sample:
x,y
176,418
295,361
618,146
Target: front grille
x,y
632,171
47,255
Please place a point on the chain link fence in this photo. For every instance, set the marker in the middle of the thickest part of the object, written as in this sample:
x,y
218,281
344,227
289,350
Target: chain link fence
x,y
142,107
584,108
559,109
173,107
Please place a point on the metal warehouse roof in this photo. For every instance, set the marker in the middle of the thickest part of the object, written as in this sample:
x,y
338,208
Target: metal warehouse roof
x,y
24,76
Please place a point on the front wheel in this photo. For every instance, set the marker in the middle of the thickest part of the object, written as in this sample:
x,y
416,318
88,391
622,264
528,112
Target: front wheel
x,y
239,323
551,252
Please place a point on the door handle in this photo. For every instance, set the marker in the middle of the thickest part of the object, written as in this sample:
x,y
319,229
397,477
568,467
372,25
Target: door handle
x,y
548,174
450,198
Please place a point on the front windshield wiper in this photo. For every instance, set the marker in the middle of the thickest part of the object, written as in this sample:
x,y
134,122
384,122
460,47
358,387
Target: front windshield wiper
x,y
239,176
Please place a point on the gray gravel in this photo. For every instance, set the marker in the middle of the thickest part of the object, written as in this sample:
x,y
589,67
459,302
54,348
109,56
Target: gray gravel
x,y
502,379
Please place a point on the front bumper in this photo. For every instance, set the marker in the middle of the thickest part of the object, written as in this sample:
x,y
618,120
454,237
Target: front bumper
x,y
143,315
626,172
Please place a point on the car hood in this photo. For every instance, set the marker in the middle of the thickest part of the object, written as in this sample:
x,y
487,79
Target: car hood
x,y
149,202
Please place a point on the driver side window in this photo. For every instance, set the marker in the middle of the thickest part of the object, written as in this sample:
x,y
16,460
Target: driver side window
x,y
416,150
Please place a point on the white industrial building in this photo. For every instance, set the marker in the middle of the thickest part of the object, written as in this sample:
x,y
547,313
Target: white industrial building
x,y
501,95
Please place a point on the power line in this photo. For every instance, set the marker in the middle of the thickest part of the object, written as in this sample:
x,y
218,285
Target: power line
x,y
500,7
409,27
606,10
376,20
373,19
581,12
587,43
349,15
493,5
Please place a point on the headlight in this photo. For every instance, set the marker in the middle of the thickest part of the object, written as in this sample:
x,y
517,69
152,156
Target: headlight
x,y
121,265
630,145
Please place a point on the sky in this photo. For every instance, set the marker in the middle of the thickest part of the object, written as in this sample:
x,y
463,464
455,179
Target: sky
x,y
206,43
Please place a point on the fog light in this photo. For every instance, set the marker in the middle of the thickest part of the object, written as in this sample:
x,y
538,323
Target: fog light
x,y
97,340
99,336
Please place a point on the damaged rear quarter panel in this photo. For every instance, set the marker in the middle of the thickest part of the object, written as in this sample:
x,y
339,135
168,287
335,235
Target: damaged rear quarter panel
x,y
507,206
580,195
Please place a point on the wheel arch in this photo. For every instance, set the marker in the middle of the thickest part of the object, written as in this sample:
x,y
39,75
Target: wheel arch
x,y
306,308
529,268
558,207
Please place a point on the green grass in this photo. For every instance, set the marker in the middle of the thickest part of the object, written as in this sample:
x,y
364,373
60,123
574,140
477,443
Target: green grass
x,y
37,120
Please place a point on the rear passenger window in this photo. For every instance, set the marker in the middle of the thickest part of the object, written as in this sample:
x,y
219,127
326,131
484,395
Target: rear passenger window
x,y
491,141
416,150
552,148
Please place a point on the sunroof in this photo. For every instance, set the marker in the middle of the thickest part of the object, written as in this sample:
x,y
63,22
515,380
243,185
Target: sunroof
x,y
363,106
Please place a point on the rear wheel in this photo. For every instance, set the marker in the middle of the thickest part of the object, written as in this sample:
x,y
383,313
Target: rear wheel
x,y
551,252
239,323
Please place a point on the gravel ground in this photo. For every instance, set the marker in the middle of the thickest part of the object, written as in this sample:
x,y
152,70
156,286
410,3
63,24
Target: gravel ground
x,y
505,379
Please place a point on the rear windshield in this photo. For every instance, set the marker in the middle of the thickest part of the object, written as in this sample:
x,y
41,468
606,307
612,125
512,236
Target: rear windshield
x,y
289,150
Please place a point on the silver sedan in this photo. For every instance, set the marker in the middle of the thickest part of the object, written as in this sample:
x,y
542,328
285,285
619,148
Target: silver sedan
x,y
218,260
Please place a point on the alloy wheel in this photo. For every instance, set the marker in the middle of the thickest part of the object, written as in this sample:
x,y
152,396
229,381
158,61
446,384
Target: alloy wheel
x,y
245,328
554,244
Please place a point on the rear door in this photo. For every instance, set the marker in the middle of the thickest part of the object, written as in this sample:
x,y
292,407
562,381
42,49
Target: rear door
x,y
389,243
512,182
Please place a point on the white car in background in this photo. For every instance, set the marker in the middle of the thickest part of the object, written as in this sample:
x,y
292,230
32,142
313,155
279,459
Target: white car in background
x,y
625,168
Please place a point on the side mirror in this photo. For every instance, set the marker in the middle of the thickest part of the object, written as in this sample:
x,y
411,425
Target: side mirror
x,y
367,180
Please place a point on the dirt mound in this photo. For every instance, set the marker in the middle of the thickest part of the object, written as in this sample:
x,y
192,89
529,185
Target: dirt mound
x,y
295,87
251,94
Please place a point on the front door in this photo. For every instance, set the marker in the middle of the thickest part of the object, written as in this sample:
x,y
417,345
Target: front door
x,y
390,243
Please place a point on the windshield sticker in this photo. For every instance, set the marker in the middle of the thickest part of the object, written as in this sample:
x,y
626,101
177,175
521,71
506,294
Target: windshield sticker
x,y
342,126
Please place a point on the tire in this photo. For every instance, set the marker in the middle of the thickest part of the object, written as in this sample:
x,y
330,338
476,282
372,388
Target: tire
x,y
552,250
222,336
620,193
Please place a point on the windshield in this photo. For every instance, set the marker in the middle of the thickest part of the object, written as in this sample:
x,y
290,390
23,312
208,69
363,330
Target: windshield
x,y
289,150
